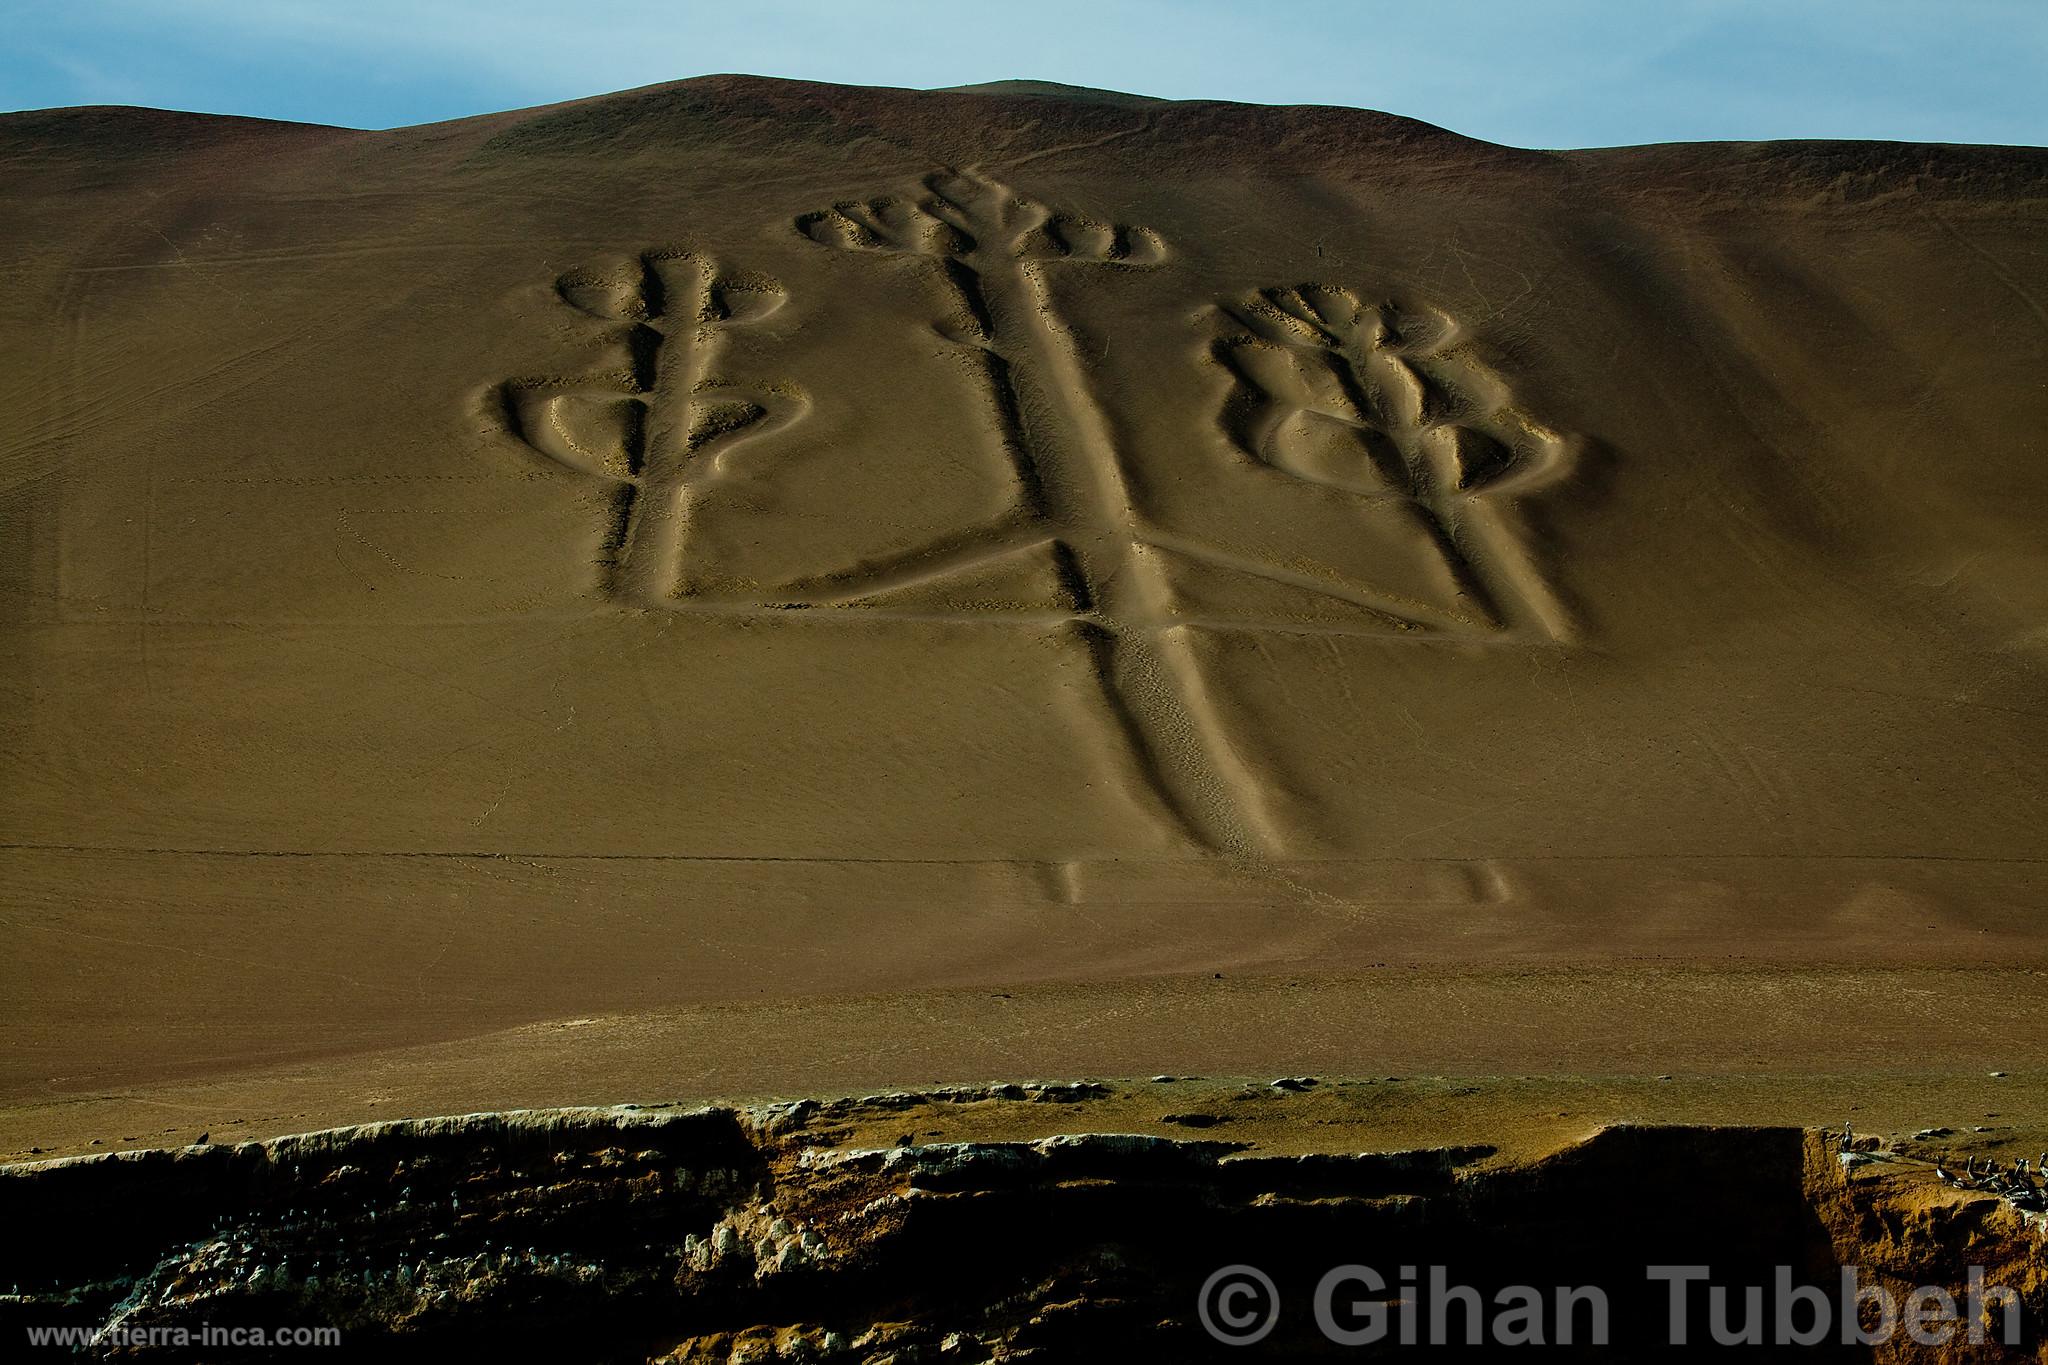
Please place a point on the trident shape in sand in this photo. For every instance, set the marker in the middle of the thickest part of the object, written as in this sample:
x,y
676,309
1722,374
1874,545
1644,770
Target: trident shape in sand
x,y
665,423
990,249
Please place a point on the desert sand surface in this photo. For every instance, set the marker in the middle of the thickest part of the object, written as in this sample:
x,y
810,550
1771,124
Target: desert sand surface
x,y
746,588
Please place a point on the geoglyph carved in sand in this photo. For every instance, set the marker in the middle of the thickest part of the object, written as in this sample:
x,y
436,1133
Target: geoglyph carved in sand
x,y
668,422
1378,404
1386,402
988,248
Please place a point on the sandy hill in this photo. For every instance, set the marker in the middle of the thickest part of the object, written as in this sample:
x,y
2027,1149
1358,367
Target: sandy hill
x,y
843,585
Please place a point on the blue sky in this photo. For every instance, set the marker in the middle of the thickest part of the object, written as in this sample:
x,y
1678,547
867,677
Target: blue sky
x,y
1544,73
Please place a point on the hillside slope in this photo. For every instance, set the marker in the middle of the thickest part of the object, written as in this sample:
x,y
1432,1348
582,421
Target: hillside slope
x,y
741,546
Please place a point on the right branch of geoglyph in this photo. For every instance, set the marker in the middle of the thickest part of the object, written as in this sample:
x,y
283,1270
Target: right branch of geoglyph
x,y
1383,401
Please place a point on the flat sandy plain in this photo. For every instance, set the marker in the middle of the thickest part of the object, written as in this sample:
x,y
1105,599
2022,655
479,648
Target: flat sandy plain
x,y
746,588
